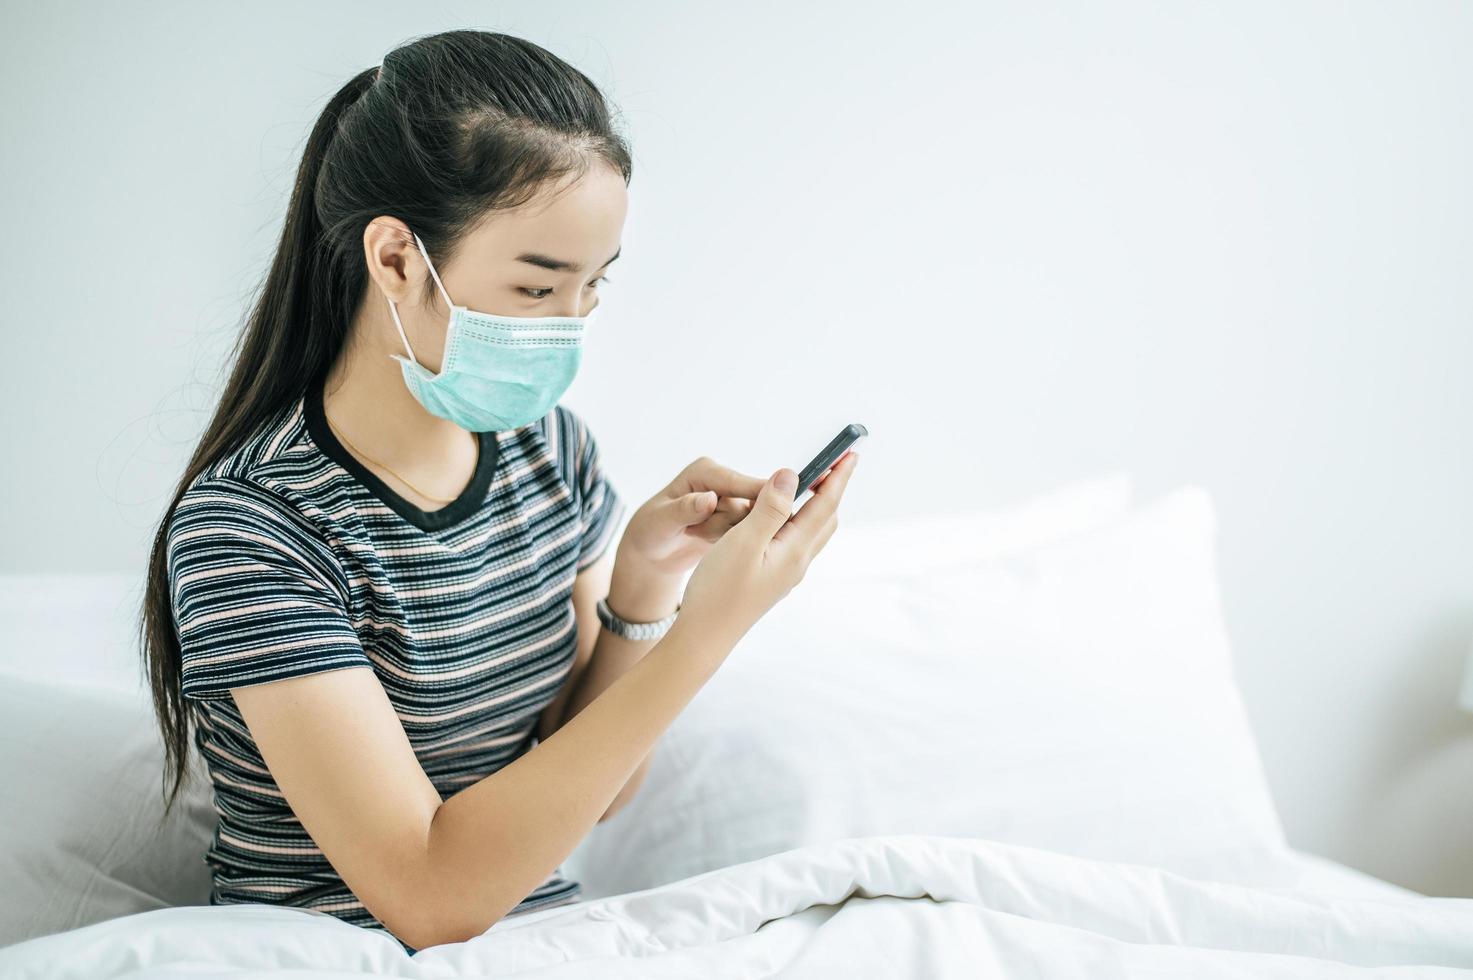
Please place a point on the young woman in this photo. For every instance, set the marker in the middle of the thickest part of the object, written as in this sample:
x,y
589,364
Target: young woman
x,y
386,597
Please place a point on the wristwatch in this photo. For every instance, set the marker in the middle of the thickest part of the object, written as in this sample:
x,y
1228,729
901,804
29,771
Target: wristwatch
x,y
634,631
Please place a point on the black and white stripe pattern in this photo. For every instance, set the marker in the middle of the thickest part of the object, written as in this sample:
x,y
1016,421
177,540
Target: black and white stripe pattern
x,y
287,557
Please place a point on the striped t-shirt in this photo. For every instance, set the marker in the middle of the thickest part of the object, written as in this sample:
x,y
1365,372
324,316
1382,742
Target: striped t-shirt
x,y
288,557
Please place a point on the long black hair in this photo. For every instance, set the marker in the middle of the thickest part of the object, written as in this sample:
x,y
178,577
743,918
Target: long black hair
x,y
450,127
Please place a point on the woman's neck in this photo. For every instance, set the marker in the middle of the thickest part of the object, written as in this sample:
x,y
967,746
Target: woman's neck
x,y
365,399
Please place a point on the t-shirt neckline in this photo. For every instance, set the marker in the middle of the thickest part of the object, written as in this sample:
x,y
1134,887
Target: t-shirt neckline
x,y
464,505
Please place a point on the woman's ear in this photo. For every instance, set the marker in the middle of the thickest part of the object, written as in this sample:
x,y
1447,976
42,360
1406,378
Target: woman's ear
x,y
394,262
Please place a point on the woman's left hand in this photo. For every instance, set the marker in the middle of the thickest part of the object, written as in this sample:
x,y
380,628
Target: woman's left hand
x,y
670,533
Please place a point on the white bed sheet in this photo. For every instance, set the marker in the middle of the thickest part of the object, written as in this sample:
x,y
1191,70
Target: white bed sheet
x,y
894,906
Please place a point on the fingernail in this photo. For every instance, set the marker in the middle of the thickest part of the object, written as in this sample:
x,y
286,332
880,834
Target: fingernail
x,y
786,480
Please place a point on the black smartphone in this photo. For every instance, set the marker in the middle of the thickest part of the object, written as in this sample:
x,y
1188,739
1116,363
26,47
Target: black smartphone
x,y
849,437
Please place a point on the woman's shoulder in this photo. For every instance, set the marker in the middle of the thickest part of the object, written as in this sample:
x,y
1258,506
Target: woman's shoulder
x,y
569,438
548,439
268,446
273,467
245,523
555,423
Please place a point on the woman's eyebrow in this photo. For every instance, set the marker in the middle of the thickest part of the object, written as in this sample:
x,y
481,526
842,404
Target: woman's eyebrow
x,y
558,265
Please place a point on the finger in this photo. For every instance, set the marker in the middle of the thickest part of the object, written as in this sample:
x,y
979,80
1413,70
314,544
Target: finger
x,y
691,508
707,474
729,514
772,508
726,516
825,474
827,493
829,527
737,507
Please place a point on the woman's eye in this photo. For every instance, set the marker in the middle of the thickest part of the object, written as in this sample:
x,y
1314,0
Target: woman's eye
x,y
543,293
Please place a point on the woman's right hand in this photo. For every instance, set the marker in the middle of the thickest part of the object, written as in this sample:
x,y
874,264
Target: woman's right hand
x,y
760,559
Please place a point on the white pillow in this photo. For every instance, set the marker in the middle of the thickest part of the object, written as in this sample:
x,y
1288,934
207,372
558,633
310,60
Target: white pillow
x,y
943,539
1076,696
81,802
907,544
926,542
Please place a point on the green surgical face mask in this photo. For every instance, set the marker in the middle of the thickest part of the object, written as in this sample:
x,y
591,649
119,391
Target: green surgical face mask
x,y
499,372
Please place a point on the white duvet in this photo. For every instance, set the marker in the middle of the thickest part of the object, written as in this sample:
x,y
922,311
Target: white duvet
x,y
888,906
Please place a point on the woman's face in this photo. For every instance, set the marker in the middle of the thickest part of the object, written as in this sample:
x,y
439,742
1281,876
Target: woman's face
x,y
543,259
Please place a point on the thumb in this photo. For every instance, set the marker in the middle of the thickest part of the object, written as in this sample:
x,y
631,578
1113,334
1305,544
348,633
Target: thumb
x,y
774,504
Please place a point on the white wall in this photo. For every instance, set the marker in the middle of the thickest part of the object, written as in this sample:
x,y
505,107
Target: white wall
x,y
1218,243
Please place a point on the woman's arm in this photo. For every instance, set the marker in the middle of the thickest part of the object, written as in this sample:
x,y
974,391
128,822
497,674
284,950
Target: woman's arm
x,y
609,657
436,872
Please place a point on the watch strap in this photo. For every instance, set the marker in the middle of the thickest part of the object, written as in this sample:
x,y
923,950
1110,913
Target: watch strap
x,y
633,631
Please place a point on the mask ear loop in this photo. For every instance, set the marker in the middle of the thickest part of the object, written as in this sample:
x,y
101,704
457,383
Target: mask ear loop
x,y
394,310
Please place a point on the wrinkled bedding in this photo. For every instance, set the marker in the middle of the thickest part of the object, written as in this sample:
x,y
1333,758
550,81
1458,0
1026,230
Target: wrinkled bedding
x,y
897,905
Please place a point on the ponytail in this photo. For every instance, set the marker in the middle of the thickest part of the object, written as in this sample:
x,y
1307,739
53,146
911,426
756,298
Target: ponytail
x,y
270,370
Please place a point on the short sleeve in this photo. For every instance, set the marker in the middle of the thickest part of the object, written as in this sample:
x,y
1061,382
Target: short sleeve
x,y
601,509
257,594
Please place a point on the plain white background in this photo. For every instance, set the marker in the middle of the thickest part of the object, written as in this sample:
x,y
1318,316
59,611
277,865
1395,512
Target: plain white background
x,y
1216,243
